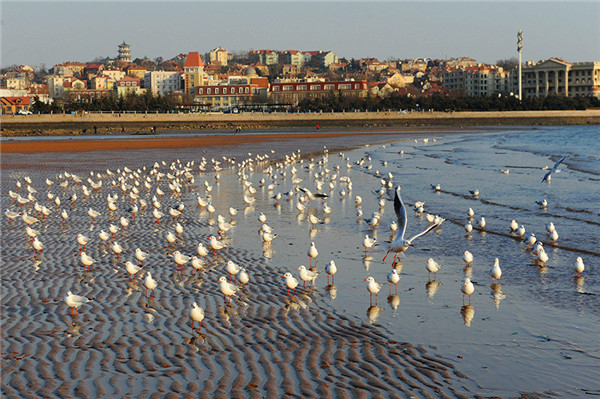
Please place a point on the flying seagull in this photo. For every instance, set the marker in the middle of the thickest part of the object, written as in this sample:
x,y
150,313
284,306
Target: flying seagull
x,y
548,175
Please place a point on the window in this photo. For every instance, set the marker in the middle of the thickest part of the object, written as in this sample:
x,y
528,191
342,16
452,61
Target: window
x,y
247,90
275,88
345,86
207,91
357,86
217,90
301,88
288,88
200,91
315,87
329,87
240,90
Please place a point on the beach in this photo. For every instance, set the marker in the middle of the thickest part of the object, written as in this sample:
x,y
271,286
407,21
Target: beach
x,y
515,338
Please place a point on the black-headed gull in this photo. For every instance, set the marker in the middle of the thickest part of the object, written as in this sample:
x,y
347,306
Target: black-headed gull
x,y
496,272
393,277
400,244
74,301
291,283
312,253
468,257
432,267
548,176
578,266
368,242
227,289
373,288
467,289
307,275
132,269
150,283
197,315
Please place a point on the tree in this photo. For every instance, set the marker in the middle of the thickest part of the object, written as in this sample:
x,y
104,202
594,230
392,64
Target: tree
x,y
508,64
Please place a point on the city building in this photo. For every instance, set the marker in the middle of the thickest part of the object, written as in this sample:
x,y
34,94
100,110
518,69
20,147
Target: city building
x,y
219,56
12,105
69,69
193,70
124,53
293,57
127,86
293,92
135,71
561,78
325,58
161,83
480,80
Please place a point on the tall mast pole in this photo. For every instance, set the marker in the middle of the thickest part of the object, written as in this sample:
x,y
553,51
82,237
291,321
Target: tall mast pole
x,y
520,50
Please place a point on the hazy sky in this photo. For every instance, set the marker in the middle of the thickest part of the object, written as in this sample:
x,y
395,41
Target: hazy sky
x,y
48,33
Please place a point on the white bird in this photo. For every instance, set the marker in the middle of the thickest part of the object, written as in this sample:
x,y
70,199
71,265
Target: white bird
x,y
93,214
548,176
227,289
113,229
542,257
291,282
103,237
368,242
554,236
399,244
75,301
520,231
232,212
197,315
481,223
307,275
82,240
243,276
550,228
467,289
470,212
578,266
171,238
86,260
150,283
474,193
312,196
514,225
432,267
232,268
393,277
373,288
262,218
216,245
140,255
117,249
37,246
468,227
124,222
201,250
11,215
132,269
531,239
330,269
180,259
312,253
496,272
29,220
543,204
157,215
197,264
468,258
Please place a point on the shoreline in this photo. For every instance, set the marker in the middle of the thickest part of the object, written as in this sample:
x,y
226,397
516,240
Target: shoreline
x,y
144,124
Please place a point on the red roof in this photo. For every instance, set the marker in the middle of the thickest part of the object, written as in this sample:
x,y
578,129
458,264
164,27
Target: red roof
x,y
17,100
193,59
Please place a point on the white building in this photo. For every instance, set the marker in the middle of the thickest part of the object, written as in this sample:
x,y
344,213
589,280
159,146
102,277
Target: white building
x,y
162,82
548,78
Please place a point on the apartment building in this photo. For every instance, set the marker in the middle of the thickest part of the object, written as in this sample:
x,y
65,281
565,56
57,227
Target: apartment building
x,y
219,56
162,82
480,80
559,77
293,92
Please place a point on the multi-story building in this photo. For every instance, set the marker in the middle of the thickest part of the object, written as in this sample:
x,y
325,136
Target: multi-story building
x,y
293,92
559,77
114,74
136,71
219,56
293,57
69,69
193,71
124,52
267,57
325,58
477,81
128,85
162,82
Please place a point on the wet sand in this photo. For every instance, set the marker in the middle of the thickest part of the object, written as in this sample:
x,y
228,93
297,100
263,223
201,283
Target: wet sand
x,y
265,344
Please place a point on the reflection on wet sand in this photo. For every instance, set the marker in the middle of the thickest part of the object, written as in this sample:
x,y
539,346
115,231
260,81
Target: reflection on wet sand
x,y
497,294
467,312
394,301
373,313
431,287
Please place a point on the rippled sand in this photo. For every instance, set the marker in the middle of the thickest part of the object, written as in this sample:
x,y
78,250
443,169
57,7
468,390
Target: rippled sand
x,y
327,341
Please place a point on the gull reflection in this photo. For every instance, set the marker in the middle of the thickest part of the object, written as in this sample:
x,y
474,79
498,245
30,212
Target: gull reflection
x,y
313,233
373,313
332,290
432,287
579,280
367,260
468,270
394,301
497,294
467,312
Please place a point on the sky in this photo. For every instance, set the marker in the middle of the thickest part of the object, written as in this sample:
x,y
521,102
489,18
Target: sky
x,y
37,33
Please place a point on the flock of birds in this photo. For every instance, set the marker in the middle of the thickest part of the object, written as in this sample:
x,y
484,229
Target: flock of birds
x,y
144,189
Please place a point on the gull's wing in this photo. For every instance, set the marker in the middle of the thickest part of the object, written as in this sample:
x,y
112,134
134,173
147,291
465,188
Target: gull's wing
x,y
320,195
557,163
546,176
427,230
400,212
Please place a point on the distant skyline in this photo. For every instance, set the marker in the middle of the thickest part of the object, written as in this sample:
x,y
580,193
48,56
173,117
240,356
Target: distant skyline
x,y
49,33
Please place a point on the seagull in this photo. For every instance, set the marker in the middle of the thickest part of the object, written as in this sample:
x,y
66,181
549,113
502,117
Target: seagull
x,y
520,231
37,246
550,228
290,282
470,212
554,236
467,289
11,215
307,275
542,257
548,176
368,243
232,268
197,315
330,269
496,272
578,266
31,233
311,196
432,267
93,214
117,249
171,238
140,255
399,244
197,264
312,253
474,193
514,225
216,245
29,220
227,289
313,220
150,284
468,227
74,301
201,250
543,204
468,258
82,240
180,259
481,223
393,277
373,288
86,260
132,269
243,276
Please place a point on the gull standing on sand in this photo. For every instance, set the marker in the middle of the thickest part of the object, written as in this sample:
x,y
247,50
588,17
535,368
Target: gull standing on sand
x,y
474,193
132,269
542,257
201,250
578,266
74,301
197,264
243,276
113,229
467,289
531,239
37,246
117,249
290,282
216,245
368,242
520,231
232,269
432,267
227,289
373,288
550,228
86,260
197,315
513,225
393,277
150,284
312,253
548,176
481,224
82,240
330,269
543,204
468,258
307,275
180,259
496,272
553,236
399,244
140,256
468,228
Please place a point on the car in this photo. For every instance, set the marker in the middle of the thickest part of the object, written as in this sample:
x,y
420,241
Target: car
x,y
24,112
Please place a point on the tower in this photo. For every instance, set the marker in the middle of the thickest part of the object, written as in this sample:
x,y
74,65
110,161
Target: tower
x,y
520,50
193,70
124,52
